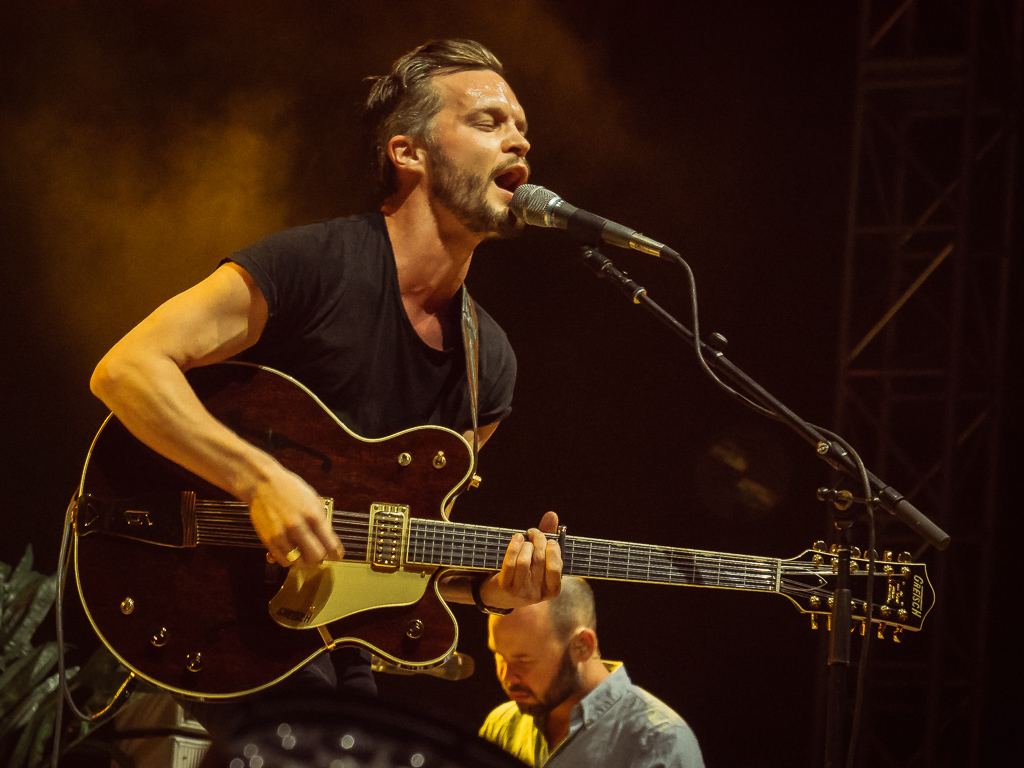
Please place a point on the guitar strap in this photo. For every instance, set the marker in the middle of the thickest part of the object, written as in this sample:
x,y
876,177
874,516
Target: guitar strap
x,y
471,343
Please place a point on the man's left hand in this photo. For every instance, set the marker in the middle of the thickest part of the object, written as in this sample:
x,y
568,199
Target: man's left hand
x,y
531,571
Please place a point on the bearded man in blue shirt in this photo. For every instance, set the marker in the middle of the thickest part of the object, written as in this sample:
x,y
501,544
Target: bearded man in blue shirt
x,y
568,706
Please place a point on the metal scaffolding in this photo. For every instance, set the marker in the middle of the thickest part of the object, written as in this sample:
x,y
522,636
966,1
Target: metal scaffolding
x,y
923,338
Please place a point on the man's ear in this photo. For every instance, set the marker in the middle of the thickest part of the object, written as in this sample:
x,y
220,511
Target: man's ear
x,y
583,646
407,154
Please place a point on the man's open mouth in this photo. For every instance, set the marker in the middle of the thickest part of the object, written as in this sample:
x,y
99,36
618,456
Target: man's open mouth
x,y
509,180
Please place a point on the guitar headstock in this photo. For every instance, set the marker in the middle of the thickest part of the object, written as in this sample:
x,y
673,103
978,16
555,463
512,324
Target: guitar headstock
x,y
902,594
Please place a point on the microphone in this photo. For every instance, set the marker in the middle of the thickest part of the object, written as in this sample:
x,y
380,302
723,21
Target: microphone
x,y
458,666
543,208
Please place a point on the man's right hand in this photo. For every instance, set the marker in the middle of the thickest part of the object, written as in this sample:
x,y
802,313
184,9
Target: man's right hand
x,y
289,518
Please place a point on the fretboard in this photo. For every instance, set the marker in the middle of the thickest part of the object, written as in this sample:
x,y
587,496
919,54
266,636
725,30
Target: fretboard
x,y
477,547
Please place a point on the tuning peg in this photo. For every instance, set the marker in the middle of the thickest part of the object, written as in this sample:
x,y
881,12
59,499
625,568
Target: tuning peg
x,y
814,621
904,557
881,631
896,634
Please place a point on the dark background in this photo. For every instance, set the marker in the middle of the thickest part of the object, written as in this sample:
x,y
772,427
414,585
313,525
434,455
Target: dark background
x,y
144,141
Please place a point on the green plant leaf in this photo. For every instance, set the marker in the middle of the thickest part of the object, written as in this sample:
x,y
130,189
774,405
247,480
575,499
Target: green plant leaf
x,y
18,681
41,744
5,571
21,572
21,748
29,721
30,607
28,705
16,603
29,691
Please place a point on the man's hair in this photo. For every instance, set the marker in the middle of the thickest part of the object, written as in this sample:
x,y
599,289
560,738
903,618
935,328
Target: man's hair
x,y
573,608
405,101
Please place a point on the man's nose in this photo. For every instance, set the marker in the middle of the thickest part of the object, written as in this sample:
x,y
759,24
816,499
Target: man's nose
x,y
517,143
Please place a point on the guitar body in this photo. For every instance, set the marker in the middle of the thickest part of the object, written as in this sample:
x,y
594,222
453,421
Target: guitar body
x,y
177,584
187,610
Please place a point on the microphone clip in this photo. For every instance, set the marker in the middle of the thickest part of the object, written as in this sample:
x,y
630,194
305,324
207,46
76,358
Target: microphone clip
x,y
603,267
843,500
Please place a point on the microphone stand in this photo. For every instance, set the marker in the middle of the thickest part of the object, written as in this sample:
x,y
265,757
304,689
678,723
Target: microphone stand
x,y
834,455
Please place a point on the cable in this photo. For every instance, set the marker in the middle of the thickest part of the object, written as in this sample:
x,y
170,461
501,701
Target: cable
x,y
869,607
736,394
62,682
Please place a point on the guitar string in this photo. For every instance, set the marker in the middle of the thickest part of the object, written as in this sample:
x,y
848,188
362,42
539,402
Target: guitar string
x,y
228,523
614,559
453,553
450,549
658,564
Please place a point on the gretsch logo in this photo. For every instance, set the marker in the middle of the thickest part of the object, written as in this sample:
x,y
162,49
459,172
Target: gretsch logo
x,y
296,616
917,607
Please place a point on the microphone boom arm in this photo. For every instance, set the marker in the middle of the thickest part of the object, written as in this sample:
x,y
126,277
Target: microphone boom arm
x,y
828,450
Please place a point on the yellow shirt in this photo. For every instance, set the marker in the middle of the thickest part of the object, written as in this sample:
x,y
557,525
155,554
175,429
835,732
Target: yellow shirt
x,y
615,724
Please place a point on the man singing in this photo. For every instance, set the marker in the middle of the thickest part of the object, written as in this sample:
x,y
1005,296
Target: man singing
x,y
364,311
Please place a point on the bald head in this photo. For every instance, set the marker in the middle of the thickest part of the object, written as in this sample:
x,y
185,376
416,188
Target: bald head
x,y
562,616
572,609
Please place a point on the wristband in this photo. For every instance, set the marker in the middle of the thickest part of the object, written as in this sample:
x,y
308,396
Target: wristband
x,y
475,589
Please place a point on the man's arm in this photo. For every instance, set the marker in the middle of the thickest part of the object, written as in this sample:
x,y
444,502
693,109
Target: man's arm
x,y
141,379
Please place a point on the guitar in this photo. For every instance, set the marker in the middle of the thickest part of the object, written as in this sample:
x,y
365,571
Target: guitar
x,y
177,585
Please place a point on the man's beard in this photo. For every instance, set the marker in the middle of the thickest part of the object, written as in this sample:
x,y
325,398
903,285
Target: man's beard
x,y
464,194
564,685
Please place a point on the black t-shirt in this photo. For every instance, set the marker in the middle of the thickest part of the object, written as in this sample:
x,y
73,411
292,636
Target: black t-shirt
x,y
337,325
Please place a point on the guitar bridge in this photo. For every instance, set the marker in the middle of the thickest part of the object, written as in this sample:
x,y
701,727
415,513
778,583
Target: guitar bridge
x,y
387,535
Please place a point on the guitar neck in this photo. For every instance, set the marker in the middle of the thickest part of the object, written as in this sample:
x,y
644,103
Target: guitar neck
x,y
482,548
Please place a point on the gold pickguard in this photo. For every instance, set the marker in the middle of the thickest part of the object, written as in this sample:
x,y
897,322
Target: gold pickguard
x,y
313,597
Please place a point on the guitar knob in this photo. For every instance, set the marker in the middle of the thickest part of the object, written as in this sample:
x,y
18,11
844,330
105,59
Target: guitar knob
x,y
159,639
415,629
194,662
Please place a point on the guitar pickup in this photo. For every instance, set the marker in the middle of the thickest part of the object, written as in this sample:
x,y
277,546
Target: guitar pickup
x,y
388,530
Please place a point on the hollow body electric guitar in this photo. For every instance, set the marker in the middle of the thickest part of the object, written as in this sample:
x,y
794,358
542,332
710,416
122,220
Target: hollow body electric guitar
x,y
177,585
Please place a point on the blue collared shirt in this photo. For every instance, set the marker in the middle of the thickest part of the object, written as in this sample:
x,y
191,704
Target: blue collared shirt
x,y
616,724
